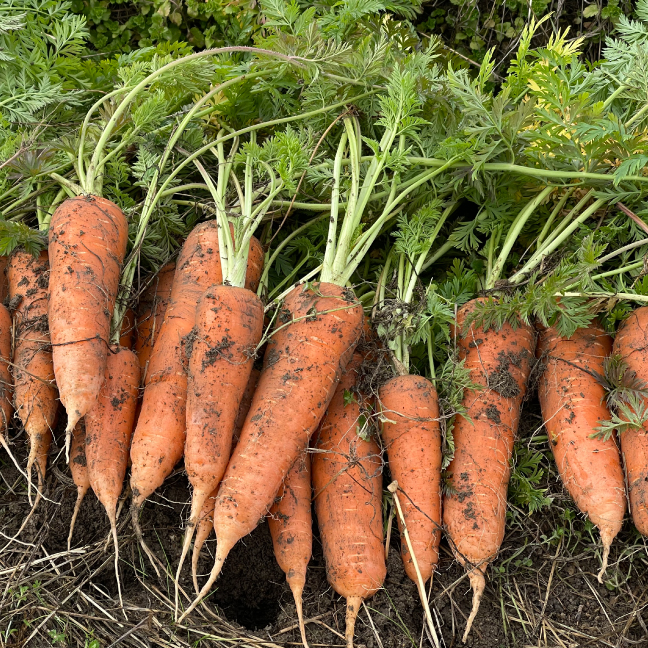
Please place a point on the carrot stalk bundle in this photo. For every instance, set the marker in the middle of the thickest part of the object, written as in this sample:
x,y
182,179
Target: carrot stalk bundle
x,y
150,316
109,427
35,393
573,402
631,343
229,325
474,511
291,528
87,244
79,469
412,438
347,480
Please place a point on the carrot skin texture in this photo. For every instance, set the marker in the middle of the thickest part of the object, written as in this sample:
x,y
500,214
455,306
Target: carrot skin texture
x,y
229,325
6,382
347,483
206,518
573,403
159,438
150,316
302,367
412,437
631,343
109,427
35,393
87,244
291,527
79,469
474,513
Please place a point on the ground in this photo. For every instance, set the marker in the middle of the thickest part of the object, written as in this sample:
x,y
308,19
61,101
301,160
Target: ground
x,y
542,590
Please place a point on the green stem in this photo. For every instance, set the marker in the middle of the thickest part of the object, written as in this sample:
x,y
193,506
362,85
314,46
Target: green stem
x,y
514,233
557,209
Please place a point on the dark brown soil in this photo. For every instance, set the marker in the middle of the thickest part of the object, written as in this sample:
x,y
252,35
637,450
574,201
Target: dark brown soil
x,y
542,590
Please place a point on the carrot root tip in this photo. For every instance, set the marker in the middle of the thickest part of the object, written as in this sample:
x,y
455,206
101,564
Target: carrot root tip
x,y
352,609
604,562
77,507
191,527
135,509
478,584
297,592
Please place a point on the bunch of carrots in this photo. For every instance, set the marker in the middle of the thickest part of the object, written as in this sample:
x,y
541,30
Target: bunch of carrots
x,y
288,395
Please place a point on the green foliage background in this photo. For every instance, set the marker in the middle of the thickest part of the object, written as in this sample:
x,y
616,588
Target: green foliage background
x,y
468,27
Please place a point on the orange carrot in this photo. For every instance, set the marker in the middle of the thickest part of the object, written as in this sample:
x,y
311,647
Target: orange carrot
x,y
109,427
412,438
347,482
474,512
573,402
229,325
158,441
79,469
87,244
150,316
291,528
6,383
631,343
206,520
36,396
317,331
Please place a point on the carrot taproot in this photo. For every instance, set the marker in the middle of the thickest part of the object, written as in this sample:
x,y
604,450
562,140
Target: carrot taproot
x,y
291,527
158,440
474,508
229,325
317,330
109,427
150,316
573,402
87,244
412,437
6,382
79,469
205,523
347,483
631,343
35,393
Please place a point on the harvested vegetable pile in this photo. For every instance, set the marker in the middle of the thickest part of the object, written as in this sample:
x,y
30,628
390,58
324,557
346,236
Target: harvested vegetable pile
x,y
332,282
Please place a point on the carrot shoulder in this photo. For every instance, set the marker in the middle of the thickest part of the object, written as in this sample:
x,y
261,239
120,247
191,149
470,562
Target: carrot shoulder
x,y
573,402
631,343
474,511
35,393
412,438
87,244
291,528
347,483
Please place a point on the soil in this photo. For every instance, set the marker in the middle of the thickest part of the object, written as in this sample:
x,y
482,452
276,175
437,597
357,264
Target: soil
x,y
542,590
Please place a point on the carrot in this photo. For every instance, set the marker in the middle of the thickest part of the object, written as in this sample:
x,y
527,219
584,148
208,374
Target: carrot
x,y
150,316
158,441
6,383
79,469
36,396
87,244
291,528
229,325
347,482
127,331
206,519
109,427
316,334
573,402
412,438
474,512
631,344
